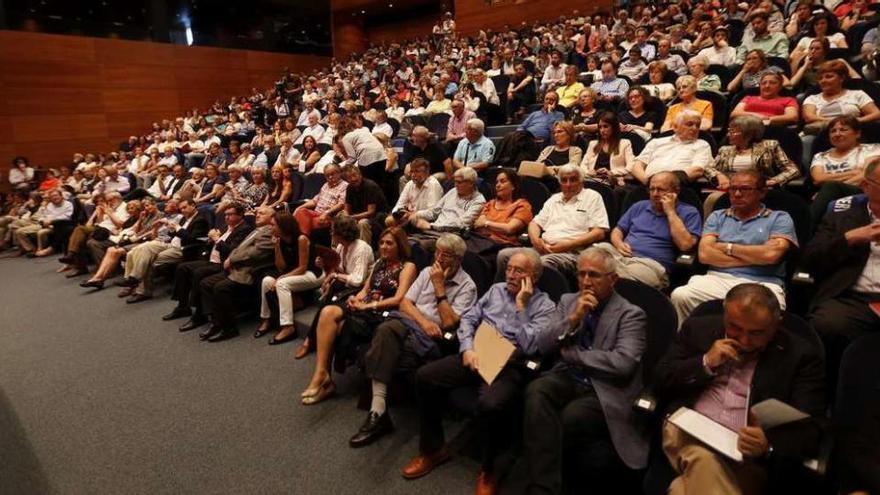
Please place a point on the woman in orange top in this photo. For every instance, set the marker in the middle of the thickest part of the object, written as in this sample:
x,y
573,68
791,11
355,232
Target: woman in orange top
x,y
504,218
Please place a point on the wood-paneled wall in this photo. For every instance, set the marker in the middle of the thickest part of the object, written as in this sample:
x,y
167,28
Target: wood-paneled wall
x,y
473,15
401,29
66,94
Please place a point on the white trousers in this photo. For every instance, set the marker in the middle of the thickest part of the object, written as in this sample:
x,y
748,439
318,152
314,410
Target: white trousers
x,y
713,285
284,287
644,270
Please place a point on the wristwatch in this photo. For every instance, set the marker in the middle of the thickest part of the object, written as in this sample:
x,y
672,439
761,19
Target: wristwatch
x,y
729,249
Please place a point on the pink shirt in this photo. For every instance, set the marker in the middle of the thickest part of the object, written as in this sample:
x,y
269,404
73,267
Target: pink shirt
x,y
456,126
726,401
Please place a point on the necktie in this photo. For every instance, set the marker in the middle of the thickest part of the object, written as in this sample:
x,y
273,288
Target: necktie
x,y
467,154
587,330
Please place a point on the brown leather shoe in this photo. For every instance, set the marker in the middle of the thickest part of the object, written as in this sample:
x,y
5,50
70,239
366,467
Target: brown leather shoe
x,y
303,350
487,484
424,464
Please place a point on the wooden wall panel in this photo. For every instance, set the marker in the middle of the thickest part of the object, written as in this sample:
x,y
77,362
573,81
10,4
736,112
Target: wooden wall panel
x,y
67,94
402,29
473,15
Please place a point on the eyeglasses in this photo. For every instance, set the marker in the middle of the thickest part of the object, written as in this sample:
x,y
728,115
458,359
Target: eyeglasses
x,y
742,189
593,275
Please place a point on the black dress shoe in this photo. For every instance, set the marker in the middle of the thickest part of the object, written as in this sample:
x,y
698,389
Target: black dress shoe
x,y
178,312
136,298
95,284
374,427
210,332
259,333
127,282
288,338
223,334
193,323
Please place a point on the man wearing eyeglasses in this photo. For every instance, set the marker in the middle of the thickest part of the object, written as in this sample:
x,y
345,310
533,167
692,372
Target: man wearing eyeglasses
x,y
744,243
585,401
844,256
647,236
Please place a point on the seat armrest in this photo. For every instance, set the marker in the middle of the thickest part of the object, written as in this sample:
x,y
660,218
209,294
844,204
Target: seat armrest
x,y
524,239
686,259
804,278
646,401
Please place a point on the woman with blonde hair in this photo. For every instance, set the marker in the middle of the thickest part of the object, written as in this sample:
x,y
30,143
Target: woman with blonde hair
x,y
687,93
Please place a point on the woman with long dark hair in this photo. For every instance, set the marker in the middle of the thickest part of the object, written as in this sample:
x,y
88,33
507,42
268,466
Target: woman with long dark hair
x,y
610,157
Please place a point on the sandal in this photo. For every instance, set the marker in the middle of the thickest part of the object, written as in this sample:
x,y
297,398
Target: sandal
x,y
326,389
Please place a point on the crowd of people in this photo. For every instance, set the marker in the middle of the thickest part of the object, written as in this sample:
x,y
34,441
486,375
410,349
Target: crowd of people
x,y
372,188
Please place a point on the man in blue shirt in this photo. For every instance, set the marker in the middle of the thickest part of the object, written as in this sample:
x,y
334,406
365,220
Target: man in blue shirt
x,y
744,243
651,232
540,122
475,150
520,313
610,88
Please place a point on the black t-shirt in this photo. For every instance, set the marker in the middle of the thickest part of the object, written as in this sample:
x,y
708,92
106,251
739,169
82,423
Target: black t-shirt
x,y
369,193
433,152
557,158
627,118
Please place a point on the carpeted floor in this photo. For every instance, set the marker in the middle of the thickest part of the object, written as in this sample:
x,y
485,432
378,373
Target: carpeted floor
x,y
97,396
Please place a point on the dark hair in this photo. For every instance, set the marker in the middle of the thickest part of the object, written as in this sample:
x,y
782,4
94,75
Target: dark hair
x,y
847,120
757,174
345,227
751,295
238,207
514,180
832,23
610,118
287,225
400,239
20,159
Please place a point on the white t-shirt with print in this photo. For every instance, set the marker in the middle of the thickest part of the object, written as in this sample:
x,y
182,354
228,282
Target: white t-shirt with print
x,y
854,160
848,103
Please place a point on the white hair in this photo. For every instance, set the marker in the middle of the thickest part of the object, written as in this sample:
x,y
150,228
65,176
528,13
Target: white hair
x,y
567,169
477,125
466,173
685,114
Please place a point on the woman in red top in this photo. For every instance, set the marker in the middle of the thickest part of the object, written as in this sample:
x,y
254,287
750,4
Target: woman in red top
x,y
769,106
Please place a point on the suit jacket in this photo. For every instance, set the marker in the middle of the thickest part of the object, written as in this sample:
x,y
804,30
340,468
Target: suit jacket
x,y
791,369
231,242
835,264
768,157
256,251
613,364
190,235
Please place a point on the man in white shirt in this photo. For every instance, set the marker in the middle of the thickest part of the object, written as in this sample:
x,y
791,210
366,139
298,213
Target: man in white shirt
x,y
114,182
289,156
570,221
554,74
169,159
308,111
281,108
419,194
55,210
314,129
485,85
211,138
193,150
682,152
381,125
720,53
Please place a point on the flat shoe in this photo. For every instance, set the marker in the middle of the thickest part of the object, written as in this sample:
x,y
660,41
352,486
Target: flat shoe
x,y
327,389
287,338
95,284
303,350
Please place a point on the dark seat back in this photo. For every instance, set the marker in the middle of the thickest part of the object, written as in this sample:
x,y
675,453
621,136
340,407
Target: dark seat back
x,y
662,320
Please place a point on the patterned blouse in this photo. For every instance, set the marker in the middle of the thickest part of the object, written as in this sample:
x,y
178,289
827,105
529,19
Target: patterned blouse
x,y
384,281
766,156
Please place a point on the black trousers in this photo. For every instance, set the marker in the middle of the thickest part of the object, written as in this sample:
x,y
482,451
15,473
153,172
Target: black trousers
x,y
562,418
391,351
221,297
436,379
841,320
187,277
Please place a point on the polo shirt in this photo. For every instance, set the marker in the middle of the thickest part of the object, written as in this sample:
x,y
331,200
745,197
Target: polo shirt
x,y
540,122
563,220
481,151
568,95
759,229
647,231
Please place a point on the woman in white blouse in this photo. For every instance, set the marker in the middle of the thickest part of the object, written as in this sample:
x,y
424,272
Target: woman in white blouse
x,y
609,158
355,260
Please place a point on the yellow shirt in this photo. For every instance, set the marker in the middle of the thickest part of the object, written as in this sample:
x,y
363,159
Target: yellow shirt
x,y
569,94
702,107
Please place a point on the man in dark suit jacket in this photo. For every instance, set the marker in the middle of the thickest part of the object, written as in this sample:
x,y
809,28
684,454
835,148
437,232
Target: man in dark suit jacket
x,y
721,367
586,399
189,274
223,290
844,256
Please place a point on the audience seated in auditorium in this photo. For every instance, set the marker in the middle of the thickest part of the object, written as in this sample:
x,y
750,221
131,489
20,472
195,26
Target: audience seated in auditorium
x,y
586,399
540,122
317,213
455,212
836,101
42,224
768,105
570,220
475,151
188,275
651,233
21,174
423,147
844,257
721,367
520,92
520,313
683,152
108,218
771,44
697,69
353,320
562,151
839,171
748,151
584,115
420,193
747,242
609,158
225,291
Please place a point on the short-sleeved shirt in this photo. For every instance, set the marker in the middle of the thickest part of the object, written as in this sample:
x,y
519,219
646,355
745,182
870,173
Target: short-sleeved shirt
x,y
702,107
647,231
433,153
328,197
848,103
568,95
519,209
562,220
369,193
854,160
461,292
670,154
768,107
759,229
481,151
